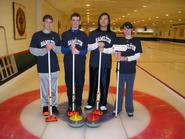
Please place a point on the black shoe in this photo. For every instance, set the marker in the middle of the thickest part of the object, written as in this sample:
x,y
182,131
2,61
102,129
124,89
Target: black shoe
x,y
55,110
45,111
79,109
130,114
69,109
114,113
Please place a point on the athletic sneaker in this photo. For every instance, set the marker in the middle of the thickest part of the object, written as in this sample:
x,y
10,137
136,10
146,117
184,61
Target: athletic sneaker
x,y
45,111
114,113
88,107
103,108
55,110
130,114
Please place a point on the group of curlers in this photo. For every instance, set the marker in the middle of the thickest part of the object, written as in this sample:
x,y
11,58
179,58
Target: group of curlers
x,y
76,42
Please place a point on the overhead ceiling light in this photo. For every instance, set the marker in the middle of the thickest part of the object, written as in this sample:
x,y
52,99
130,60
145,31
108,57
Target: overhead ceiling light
x,y
156,17
119,18
144,6
128,14
87,5
170,20
179,19
179,12
135,10
123,16
87,13
143,20
166,14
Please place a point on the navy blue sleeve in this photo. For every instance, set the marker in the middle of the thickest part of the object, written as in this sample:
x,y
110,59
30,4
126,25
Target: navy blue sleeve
x,y
83,52
114,39
64,49
138,47
57,40
91,39
34,42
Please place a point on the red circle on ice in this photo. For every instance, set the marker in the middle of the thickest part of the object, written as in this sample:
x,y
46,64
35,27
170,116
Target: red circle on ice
x,y
166,121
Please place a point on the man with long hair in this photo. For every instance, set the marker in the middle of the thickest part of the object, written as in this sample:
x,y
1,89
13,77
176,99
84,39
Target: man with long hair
x,y
104,35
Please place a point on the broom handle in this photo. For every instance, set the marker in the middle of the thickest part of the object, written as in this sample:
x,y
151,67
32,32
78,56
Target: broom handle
x,y
117,88
99,75
49,78
73,87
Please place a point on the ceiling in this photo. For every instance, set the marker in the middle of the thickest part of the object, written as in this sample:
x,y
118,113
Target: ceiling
x,y
139,12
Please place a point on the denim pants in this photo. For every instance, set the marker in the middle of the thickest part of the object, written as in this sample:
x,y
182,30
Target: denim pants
x,y
127,79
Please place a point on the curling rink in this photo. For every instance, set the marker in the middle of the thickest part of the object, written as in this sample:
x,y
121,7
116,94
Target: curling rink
x,y
159,101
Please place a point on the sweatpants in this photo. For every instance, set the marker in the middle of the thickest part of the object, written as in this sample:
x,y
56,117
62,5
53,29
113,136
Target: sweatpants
x,y
44,88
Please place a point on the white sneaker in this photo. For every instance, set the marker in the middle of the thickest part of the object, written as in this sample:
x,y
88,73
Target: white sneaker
x,y
88,107
130,114
114,112
103,108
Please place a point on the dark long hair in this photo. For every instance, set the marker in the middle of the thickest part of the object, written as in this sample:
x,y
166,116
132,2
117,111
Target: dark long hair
x,y
108,26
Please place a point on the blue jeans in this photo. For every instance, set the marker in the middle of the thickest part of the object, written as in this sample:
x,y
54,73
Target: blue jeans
x,y
129,80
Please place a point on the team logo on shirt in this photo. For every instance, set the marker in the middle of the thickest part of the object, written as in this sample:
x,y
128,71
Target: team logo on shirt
x,y
43,43
131,46
76,41
104,39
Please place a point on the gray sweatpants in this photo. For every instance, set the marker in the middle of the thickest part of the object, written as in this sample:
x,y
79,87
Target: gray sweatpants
x,y
129,80
44,88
